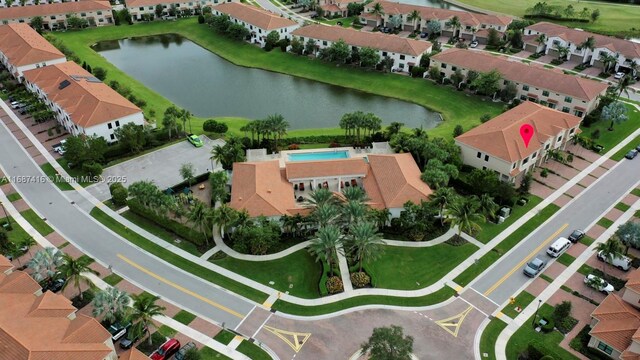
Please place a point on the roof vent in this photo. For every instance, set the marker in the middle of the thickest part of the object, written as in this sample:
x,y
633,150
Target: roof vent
x,y
269,191
64,84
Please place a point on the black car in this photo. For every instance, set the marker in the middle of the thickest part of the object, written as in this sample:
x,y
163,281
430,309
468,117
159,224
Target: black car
x,y
631,154
638,147
423,35
576,235
53,285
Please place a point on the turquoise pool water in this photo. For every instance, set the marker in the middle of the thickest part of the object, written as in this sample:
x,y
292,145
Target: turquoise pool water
x,y
323,155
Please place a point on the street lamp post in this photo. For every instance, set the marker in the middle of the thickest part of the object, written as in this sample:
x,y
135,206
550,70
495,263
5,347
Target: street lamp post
x,y
535,316
5,214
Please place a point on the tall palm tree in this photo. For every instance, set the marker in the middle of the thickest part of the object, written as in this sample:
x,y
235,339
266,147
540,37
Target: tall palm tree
x,y
488,207
326,245
198,216
380,217
353,211
611,249
185,115
541,39
563,51
588,44
278,125
218,154
466,215
325,214
377,10
623,85
354,194
454,23
73,271
442,198
608,59
365,242
45,263
414,17
222,217
143,309
321,196
111,303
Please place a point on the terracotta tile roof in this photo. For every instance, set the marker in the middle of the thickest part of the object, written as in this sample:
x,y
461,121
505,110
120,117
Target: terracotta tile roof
x,y
325,168
51,305
500,136
133,354
20,12
465,17
330,8
5,265
627,48
261,189
633,281
577,87
263,19
396,178
618,322
18,282
87,100
629,355
24,46
376,40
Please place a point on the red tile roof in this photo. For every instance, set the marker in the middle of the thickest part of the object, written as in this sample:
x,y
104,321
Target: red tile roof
x,y
617,324
375,40
5,264
133,354
500,136
633,281
255,16
261,189
24,46
45,9
577,87
18,282
87,100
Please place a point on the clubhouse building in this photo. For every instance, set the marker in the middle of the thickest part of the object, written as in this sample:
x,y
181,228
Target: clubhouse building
x,y
22,49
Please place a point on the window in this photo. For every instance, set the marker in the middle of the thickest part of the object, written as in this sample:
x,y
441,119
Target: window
x,y
384,53
99,12
453,68
513,166
324,43
486,158
444,66
525,87
484,168
401,66
547,147
572,131
53,17
523,97
545,93
83,14
578,113
565,109
479,155
526,160
533,156
605,348
559,138
117,123
401,57
552,105
141,8
568,99
109,125
112,137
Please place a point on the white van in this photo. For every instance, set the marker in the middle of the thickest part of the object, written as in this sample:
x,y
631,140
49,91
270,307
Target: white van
x,y
558,247
622,263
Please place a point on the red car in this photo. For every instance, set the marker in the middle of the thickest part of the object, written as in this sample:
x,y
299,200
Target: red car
x,y
166,350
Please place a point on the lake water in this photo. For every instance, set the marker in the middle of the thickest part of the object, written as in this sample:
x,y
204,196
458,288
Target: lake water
x,y
207,85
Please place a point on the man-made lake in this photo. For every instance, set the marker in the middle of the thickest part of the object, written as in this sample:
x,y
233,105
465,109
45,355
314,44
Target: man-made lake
x,y
431,3
207,85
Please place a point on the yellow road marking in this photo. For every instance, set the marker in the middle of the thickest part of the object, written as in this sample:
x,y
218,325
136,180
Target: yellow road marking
x,y
267,304
458,288
452,324
519,265
184,290
297,344
499,314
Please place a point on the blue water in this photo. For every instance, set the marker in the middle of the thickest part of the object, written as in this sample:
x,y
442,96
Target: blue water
x,y
324,155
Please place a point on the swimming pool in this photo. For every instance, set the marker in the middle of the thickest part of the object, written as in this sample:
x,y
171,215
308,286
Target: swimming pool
x,y
321,155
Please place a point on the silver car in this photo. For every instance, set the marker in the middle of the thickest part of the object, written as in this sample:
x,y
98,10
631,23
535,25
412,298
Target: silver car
x,y
534,267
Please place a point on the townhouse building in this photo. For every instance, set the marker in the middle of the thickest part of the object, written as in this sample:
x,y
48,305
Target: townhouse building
x,y
405,52
259,22
22,49
10,3
336,8
498,146
82,103
146,9
54,16
624,51
474,26
568,93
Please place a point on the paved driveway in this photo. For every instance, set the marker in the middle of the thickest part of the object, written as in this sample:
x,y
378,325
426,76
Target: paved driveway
x,y
161,166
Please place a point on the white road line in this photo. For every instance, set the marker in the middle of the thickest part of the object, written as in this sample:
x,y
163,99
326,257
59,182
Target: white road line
x,y
260,328
245,318
475,307
476,291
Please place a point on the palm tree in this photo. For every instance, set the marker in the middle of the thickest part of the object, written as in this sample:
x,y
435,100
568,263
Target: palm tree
x,y
28,242
608,59
380,217
609,250
321,196
377,10
365,242
541,39
488,207
414,17
198,216
563,51
325,214
454,23
278,125
169,120
442,198
143,309
44,263
623,85
353,211
111,303
222,217
590,44
465,214
354,194
185,116
73,271
326,244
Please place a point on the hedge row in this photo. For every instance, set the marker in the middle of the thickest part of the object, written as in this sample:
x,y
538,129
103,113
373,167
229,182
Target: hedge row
x,y
554,17
175,227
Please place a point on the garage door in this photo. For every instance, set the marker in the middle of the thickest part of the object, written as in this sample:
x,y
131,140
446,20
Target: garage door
x,y
531,48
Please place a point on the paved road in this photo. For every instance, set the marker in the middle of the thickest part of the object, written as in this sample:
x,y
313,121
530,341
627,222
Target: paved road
x,y
161,278
507,277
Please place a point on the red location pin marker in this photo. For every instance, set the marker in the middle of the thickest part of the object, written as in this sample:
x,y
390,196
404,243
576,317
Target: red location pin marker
x,y
526,132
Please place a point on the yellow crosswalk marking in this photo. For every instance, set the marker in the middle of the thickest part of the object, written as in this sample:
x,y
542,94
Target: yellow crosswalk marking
x,y
295,340
452,324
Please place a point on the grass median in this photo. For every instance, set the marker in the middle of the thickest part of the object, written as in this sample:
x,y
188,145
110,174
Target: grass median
x,y
489,337
491,230
609,139
40,225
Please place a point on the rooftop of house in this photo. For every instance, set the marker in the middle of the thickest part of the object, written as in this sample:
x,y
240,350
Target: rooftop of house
x,y
5,265
255,16
87,100
133,354
45,9
500,136
577,87
22,45
375,40
618,323
633,281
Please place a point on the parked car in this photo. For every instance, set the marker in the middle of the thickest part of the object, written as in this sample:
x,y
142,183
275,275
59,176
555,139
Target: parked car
x,y
166,350
619,75
576,235
423,35
15,105
195,140
598,283
53,286
59,148
474,44
623,263
128,341
638,147
631,154
118,330
534,267
183,351
558,247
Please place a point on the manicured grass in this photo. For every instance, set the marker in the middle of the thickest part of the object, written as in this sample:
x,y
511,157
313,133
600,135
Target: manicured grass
x,y
42,227
526,335
566,259
586,240
298,269
209,354
75,172
112,279
625,149
4,180
491,230
224,337
546,278
456,107
614,18
522,300
313,146
87,258
253,351
161,232
489,338
433,298
184,317
17,234
507,244
585,269
636,192
407,268
167,331
605,223
54,176
622,206
346,22
63,245
14,197
609,139
180,262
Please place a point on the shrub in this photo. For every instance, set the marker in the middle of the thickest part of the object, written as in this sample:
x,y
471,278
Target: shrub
x,y
544,173
334,285
565,325
548,327
92,169
458,130
200,19
360,279
182,231
293,147
119,196
417,71
215,127
484,118
334,144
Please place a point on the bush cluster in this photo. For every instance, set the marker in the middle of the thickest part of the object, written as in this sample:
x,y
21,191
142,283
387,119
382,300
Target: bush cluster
x,y
175,227
360,279
334,285
119,194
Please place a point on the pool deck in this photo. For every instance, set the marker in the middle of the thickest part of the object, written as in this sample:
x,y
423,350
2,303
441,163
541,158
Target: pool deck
x,y
283,156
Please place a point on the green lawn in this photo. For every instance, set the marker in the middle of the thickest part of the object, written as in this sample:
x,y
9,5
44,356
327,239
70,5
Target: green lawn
x,y
566,259
609,139
456,107
178,261
346,22
210,354
298,269
546,278
53,174
224,337
17,234
42,227
491,230
586,240
112,279
489,337
605,223
622,206
522,300
408,268
167,331
625,149
636,192
614,18
526,334
253,351
431,299
184,317
14,197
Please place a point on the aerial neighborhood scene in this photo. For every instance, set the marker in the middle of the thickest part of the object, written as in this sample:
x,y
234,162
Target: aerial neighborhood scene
x,y
319,179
